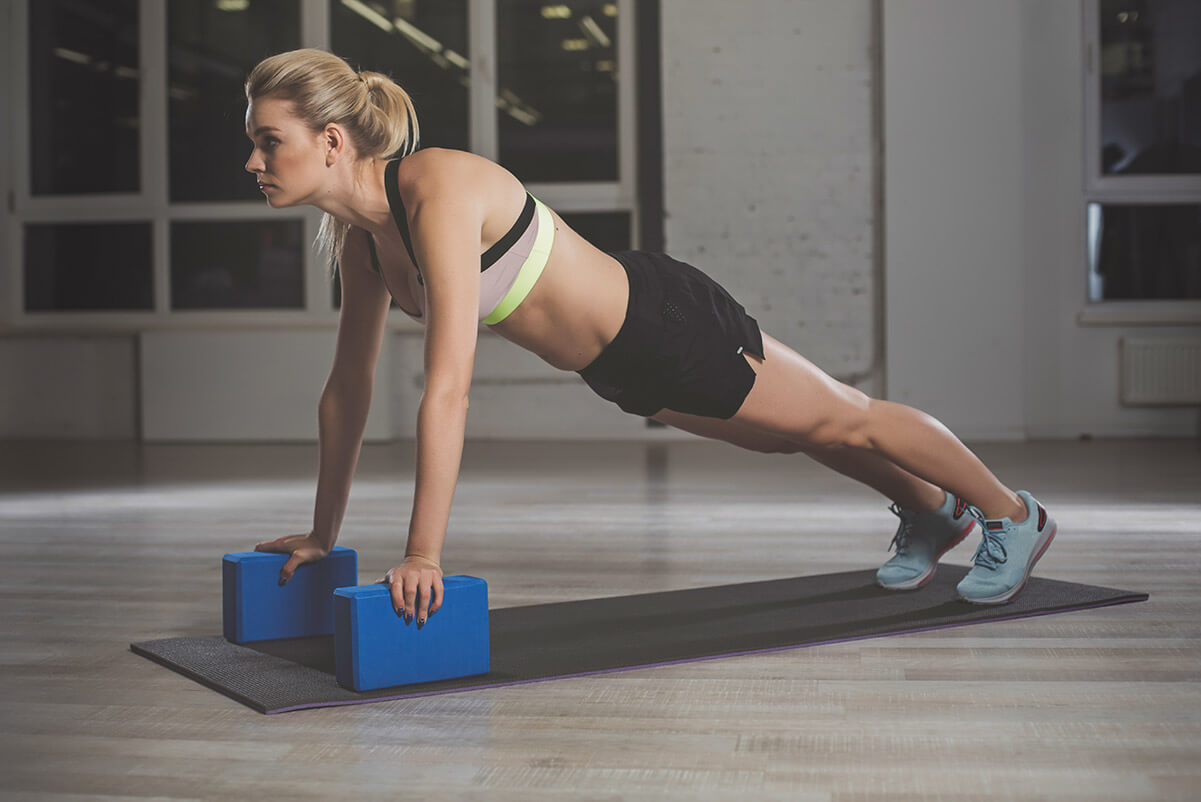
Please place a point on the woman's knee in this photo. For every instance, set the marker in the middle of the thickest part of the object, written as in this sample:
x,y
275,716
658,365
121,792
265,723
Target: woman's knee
x,y
794,399
846,425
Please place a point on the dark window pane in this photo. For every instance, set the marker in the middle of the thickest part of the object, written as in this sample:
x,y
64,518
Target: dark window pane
x,y
1144,252
609,231
557,89
209,54
85,267
256,265
1150,87
424,49
84,119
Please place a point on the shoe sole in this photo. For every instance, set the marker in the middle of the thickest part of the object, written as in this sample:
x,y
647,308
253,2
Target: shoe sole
x,y
1002,598
921,579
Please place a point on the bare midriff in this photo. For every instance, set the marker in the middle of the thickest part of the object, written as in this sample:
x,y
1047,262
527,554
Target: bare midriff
x,y
576,308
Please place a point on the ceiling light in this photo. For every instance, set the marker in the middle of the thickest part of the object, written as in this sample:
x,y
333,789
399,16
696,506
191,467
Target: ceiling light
x,y
455,59
72,55
589,26
417,36
370,14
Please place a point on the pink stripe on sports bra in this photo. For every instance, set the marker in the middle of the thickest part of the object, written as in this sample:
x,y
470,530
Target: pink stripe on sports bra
x,y
496,277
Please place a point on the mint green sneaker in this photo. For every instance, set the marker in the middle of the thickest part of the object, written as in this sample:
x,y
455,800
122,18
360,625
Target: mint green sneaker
x,y
921,539
1007,554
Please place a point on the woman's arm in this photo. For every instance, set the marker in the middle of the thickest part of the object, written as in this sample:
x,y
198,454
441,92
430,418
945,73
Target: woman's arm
x,y
445,220
345,402
346,399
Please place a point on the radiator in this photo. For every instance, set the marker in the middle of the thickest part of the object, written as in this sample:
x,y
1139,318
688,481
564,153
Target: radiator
x,y
1160,371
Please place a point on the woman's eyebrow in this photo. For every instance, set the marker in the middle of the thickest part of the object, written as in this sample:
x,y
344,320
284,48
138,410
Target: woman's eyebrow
x,y
263,128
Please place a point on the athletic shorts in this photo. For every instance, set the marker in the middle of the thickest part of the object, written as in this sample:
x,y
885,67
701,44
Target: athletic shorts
x,y
680,347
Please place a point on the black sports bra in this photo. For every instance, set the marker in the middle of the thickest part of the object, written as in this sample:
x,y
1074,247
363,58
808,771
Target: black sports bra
x,y
397,207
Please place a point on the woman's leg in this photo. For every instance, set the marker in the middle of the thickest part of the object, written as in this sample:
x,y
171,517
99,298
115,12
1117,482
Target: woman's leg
x,y
795,400
894,483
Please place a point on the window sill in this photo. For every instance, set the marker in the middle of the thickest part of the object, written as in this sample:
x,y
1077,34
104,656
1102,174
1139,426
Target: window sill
x,y
1141,313
82,324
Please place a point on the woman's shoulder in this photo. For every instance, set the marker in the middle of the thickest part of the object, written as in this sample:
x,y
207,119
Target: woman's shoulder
x,y
442,169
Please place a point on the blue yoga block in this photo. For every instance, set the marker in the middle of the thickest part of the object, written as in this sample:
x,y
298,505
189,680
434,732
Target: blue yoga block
x,y
256,608
374,648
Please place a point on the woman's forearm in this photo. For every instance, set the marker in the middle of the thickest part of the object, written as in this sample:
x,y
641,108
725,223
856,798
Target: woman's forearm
x,y
342,418
441,425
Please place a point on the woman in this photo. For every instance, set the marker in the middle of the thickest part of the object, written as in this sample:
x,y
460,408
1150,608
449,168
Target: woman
x,y
434,230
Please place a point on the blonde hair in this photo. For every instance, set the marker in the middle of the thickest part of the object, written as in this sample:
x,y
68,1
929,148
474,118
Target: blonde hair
x,y
377,114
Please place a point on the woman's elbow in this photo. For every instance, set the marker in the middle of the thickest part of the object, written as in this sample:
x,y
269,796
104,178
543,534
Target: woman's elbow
x,y
450,398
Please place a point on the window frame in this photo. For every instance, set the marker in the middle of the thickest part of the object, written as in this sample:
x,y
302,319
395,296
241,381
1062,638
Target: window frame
x,y
152,205
1099,188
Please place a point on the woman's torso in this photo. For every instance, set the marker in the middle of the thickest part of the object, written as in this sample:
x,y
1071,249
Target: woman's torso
x,y
578,303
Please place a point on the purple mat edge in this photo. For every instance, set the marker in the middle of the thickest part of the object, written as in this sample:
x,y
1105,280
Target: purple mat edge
x,y
1127,599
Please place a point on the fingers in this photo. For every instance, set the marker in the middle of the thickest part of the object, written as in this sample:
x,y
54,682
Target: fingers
x,y
302,549
285,573
416,593
436,595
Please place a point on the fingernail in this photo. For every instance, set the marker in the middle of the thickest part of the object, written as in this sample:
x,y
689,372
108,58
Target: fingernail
x,y
408,619
400,613
420,623
282,581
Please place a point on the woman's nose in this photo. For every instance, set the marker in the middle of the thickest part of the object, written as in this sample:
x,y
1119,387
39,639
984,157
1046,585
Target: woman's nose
x,y
254,163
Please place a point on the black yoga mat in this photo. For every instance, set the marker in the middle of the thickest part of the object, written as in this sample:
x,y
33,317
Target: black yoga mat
x,y
570,639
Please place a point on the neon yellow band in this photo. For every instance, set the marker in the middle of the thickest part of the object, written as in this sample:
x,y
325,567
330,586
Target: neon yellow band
x,y
531,268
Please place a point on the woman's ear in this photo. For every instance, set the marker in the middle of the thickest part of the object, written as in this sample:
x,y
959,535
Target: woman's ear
x,y
334,142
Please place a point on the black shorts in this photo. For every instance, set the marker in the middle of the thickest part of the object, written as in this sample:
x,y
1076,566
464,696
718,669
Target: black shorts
x,y
680,346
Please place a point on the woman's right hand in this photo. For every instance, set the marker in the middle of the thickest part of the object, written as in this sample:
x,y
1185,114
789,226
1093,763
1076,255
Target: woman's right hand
x,y
303,548
416,588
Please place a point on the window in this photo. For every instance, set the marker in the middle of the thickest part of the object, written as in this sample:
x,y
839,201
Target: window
x,y
150,217
557,104
1143,156
425,51
84,81
87,266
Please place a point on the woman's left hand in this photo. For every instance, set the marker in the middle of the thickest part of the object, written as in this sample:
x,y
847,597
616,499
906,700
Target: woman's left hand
x,y
302,548
416,586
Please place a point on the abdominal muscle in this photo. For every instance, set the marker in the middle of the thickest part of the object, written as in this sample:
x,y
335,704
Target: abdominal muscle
x,y
575,309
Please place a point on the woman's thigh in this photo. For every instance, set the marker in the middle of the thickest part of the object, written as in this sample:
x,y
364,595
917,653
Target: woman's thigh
x,y
794,399
729,431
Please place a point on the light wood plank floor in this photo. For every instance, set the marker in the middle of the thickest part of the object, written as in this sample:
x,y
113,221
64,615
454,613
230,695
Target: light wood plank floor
x,y
105,544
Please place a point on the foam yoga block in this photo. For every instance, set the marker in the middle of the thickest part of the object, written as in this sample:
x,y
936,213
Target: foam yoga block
x,y
256,608
374,648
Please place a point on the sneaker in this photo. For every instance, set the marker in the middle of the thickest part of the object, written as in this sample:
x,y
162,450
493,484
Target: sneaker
x,y
1007,554
921,539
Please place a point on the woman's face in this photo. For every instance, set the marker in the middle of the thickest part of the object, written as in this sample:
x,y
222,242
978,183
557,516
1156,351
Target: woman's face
x,y
287,159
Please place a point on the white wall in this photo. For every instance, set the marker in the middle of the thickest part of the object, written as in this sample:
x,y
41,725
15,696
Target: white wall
x,y
984,256
238,385
768,162
68,387
953,206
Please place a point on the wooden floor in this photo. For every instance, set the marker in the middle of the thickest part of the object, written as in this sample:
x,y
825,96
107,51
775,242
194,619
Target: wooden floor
x,y
106,544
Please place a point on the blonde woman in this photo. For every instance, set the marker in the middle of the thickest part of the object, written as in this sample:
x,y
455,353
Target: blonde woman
x,y
456,240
